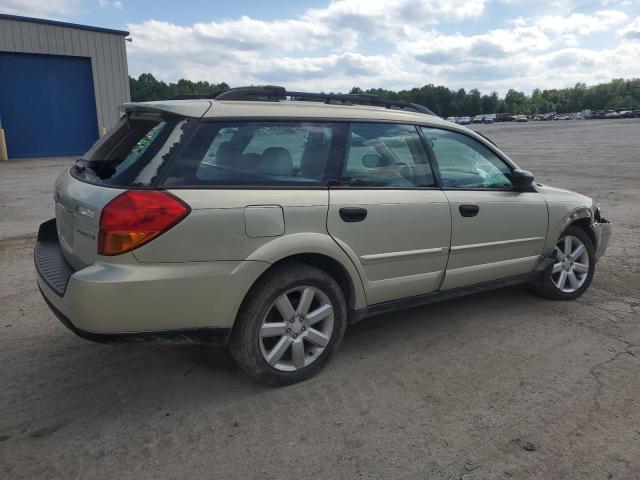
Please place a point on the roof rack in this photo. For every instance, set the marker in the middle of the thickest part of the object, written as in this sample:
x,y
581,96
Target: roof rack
x,y
273,93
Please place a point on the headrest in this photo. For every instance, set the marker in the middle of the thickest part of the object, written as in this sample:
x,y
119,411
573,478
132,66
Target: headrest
x,y
276,161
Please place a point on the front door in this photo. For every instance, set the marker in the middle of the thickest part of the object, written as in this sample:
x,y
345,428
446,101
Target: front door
x,y
387,213
496,232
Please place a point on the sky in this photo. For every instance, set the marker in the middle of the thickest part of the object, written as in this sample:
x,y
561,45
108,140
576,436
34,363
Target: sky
x,y
333,45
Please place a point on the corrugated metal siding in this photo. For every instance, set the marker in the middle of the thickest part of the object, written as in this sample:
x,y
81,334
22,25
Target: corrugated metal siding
x,y
107,52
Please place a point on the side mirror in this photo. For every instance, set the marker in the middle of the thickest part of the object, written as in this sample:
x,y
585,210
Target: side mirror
x,y
521,179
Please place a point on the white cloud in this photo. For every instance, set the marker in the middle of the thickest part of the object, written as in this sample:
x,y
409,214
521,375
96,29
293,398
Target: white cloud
x,y
111,3
631,31
580,23
40,8
329,49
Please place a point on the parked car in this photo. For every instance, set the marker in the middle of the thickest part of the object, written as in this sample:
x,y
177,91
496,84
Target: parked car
x,y
562,117
478,119
520,118
451,119
268,226
491,118
612,114
504,117
463,120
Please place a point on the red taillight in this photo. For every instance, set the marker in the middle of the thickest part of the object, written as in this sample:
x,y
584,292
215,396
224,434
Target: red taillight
x,y
135,217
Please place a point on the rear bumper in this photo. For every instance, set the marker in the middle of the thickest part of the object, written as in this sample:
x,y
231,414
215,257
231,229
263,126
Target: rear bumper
x,y
131,301
209,336
602,231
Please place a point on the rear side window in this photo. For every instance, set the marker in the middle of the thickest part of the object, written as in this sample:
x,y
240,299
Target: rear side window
x,y
386,155
254,153
134,153
465,162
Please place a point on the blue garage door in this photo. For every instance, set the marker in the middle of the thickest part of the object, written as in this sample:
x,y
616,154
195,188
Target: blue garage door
x,y
47,105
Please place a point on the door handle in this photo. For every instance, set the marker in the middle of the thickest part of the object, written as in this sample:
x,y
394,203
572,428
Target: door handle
x,y
353,214
467,210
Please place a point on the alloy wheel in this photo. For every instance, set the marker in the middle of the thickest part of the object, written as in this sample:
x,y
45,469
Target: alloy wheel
x,y
292,338
572,264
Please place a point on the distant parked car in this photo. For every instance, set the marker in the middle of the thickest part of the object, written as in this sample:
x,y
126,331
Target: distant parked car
x,y
478,119
489,118
612,114
539,117
562,117
504,117
520,118
464,120
451,119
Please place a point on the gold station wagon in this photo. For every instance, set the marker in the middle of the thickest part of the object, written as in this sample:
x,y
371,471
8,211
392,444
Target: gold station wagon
x,y
267,220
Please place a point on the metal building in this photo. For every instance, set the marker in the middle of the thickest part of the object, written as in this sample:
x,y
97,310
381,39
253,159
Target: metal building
x,y
60,85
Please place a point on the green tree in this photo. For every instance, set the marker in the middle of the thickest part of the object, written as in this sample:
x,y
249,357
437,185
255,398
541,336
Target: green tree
x,y
618,93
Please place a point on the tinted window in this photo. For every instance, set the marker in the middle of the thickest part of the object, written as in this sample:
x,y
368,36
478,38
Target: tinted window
x,y
465,162
256,153
386,155
134,153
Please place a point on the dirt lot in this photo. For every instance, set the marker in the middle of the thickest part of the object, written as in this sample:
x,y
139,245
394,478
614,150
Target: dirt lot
x,y
497,385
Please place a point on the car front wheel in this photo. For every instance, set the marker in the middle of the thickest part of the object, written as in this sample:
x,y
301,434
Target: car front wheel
x,y
572,271
290,325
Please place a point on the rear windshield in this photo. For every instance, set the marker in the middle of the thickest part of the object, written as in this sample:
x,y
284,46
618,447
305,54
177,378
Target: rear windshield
x,y
254,153
134,153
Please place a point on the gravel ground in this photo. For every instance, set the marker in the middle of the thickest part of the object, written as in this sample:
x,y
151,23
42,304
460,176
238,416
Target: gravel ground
x,y
496,385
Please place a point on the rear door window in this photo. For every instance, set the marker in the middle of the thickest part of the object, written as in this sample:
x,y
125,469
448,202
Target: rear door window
x,y
386,155
255,153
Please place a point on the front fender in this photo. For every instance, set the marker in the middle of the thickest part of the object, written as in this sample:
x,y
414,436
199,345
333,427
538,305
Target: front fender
x,y
565,219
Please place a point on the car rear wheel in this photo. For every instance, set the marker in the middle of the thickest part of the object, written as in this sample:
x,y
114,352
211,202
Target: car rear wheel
x,y
572,271
290,325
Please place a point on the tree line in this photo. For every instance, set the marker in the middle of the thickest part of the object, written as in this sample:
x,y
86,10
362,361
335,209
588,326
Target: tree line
x,y
618,93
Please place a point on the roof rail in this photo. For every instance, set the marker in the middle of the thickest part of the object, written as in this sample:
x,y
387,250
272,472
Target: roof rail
x,y
360,99
273,93
269,93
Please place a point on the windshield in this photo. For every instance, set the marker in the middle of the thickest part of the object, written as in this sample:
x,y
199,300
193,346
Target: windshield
x,y
134,153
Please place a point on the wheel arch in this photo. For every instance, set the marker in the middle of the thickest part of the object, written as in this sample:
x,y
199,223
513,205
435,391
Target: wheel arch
x,y
580,216
326,263
320,251
585,224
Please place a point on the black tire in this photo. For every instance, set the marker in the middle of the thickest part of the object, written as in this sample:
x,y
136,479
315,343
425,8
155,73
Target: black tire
x,y
544,285
245,342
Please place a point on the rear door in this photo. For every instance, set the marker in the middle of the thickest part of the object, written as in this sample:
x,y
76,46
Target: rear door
x,y
387,213
496,232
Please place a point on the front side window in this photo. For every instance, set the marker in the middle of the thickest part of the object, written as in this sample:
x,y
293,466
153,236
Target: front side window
x,y
386,155
254,153
466,163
